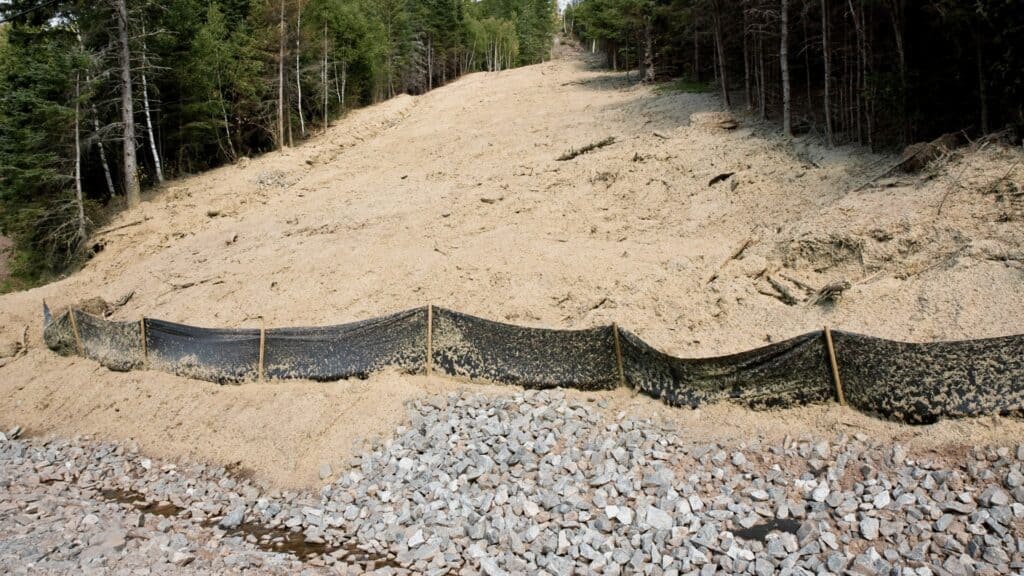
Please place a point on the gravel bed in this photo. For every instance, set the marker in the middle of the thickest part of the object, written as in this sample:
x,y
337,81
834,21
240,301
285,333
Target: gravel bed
x,y
533,482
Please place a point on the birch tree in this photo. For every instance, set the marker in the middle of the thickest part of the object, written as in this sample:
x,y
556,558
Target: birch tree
x,y
149,117
283,40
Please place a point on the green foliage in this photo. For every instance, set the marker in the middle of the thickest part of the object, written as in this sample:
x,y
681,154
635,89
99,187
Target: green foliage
x,y
533,21
212,72
222,89
38,72
900,71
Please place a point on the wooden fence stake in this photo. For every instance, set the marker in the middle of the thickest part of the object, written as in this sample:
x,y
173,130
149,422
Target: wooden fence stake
x,y
835,367
74,329
430,339
263,342
145,345
618,356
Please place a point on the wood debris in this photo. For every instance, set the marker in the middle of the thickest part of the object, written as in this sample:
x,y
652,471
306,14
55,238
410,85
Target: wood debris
x,y
573,153
830,292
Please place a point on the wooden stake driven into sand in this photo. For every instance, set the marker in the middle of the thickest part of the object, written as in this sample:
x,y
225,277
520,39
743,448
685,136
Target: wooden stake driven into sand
x,y
74,330
835,367
145,347
618,356
263,341
430,341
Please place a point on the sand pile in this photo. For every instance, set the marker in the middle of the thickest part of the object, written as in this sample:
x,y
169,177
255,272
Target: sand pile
x,y
457,198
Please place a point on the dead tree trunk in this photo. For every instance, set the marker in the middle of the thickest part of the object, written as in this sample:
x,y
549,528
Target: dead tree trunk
x,y
132,190
787,121
804,16
762,99
224,118
859,91
149,118
723,78
298,70
96,129
280,80
982,89
648,50
828,73
79,197
896,10
866,86
341,89
430,63
696,52
325,84
103,153
746,61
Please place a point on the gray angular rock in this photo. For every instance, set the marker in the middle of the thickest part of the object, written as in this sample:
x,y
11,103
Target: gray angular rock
x,y
869,527
659,519
233,519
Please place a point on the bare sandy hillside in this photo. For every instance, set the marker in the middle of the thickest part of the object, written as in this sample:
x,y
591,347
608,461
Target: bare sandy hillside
x,y
456,198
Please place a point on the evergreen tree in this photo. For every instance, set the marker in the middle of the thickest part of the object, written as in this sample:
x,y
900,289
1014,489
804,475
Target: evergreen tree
x,y
185,85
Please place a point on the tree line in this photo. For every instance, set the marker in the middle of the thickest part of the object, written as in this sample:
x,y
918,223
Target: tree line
x,y
102,98
882,73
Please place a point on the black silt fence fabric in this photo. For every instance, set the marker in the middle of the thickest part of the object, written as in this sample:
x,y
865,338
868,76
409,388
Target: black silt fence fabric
x,y
210,354
470,347
59,336
916,383
349,350
789,373
116,345
921,383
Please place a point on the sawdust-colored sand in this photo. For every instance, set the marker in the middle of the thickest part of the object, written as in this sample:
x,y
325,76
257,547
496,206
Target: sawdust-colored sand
x,y
282,432
456,198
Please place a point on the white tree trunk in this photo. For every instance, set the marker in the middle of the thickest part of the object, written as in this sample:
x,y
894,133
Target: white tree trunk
x,y
149,118
344,81
227,123
648,51
337,83
280,80
430,63
103,153
79,201
132,190
787,122
298,70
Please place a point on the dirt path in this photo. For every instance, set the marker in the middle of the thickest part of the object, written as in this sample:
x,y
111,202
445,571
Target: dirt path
x,y
456,198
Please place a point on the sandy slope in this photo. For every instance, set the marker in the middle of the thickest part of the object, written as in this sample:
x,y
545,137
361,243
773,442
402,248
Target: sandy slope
x,y
456,198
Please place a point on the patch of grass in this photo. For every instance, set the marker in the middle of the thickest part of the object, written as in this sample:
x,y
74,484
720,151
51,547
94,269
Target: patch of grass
x,y
683,85
26,272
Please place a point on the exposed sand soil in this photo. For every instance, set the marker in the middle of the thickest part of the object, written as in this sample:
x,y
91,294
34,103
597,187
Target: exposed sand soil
x,y
456,198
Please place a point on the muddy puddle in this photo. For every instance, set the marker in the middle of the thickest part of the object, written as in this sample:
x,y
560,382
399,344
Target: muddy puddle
x,y
267,538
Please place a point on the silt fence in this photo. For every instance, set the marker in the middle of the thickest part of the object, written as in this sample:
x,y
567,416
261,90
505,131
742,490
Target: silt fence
x,y
913,383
